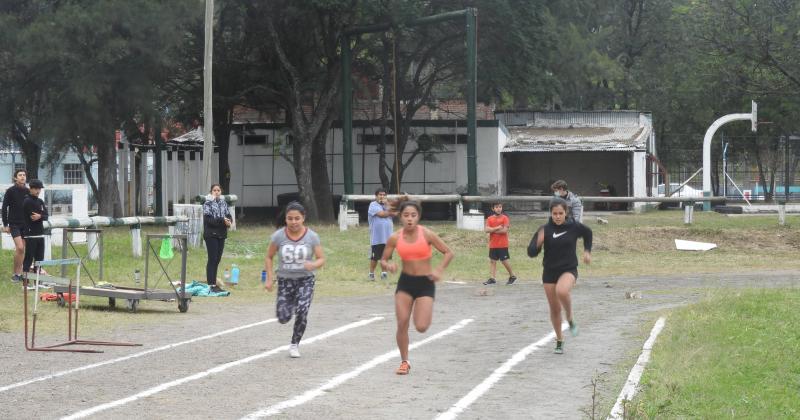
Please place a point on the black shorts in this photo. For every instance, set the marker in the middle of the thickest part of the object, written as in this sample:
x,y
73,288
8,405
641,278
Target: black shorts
x,y
377,252
552,276
498,254
416,286
16,230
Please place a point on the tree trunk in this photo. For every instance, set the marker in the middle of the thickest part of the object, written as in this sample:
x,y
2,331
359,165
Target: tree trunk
x,y
31,151
222,138
320,179
87,170
108,195
301,149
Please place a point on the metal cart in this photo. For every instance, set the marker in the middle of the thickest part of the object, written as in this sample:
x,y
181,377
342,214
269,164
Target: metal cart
x,y
131,295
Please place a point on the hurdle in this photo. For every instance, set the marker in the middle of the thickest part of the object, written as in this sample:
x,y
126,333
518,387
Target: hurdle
x,y
72,326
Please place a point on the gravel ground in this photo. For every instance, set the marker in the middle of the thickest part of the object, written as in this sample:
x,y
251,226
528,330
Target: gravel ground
x,y
612,330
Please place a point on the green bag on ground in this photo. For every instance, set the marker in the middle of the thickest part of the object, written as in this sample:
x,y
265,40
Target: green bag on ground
x,y
165,253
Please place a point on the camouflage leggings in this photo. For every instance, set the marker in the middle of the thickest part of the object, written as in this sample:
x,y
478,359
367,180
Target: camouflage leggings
x,y
294,297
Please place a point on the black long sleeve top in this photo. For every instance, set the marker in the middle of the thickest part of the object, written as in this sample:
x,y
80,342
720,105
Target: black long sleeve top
x,y
12,205
559,244
34,205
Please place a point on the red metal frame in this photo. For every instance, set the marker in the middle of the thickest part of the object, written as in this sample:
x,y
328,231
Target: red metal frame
x,y
72,328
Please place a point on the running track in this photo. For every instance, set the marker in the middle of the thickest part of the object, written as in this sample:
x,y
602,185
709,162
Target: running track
x,y
484,357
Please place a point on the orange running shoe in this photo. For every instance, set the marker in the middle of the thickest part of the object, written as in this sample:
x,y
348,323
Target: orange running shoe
x,y
404,368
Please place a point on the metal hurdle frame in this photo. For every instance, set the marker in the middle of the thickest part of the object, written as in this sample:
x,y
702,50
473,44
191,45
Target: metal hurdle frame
x,y
72,327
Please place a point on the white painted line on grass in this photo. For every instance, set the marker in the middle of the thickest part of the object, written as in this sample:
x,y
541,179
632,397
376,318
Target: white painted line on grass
x,y
629,390
216,369
338,380
455,282
498,374
133,356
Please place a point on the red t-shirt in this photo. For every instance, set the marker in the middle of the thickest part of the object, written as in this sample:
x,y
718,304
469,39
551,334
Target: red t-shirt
x,y
498,240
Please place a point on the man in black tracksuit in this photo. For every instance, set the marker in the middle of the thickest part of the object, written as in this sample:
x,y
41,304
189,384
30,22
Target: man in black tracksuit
x,y
14,218
35,215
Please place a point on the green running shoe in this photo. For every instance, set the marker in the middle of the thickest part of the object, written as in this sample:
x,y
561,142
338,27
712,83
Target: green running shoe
x,y
573,328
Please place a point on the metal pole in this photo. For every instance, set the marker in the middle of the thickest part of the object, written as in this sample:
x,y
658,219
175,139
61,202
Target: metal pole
x,y
472,76
724,167
208,111
157,182
752,117
347,116
786,168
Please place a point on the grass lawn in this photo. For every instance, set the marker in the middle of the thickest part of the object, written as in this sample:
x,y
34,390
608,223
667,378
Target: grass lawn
x,y
733,355
629,245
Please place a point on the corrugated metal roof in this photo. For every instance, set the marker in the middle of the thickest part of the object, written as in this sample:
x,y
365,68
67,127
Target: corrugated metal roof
x,y
570,118
577,139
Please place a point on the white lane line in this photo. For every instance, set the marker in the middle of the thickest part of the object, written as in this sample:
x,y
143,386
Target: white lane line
x,y
338,380
498,374
133,356
629,390
216,369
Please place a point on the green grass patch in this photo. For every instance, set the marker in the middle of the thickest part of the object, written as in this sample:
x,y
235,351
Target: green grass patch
x,y
733,355
629,245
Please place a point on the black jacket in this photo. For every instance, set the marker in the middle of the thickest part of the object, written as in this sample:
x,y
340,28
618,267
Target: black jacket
x,y
34,205
559,245
12,205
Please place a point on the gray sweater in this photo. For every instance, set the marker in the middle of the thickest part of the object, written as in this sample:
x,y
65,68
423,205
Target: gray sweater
x,y
575,206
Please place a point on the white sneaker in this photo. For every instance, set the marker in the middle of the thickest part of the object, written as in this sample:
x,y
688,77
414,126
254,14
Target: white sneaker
x,y
384,275
294,351
371,276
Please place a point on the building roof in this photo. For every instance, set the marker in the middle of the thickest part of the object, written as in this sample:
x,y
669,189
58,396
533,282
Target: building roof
x,y
577,131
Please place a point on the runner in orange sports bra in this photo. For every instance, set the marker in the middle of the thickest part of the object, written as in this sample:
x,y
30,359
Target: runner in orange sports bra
x,y
415,287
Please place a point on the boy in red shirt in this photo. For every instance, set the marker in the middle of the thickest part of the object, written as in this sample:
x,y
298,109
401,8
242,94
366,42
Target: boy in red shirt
x,y
497,227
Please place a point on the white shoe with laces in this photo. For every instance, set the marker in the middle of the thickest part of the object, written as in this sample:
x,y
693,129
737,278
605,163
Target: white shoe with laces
x,y
294,351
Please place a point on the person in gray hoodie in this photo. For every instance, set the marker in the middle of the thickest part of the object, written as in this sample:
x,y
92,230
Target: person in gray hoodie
x,y
561,191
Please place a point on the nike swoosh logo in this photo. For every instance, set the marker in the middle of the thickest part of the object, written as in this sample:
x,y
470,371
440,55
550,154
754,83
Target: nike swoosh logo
x,y
556,236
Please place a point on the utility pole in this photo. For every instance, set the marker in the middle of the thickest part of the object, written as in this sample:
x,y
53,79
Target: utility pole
x,y
208,112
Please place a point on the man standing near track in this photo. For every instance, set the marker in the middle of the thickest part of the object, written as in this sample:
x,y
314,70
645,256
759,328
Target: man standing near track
x,y
14,219
380,229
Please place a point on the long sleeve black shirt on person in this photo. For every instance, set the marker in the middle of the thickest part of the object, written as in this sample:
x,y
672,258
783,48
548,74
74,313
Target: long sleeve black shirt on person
x,y
560,242
12,205
34,205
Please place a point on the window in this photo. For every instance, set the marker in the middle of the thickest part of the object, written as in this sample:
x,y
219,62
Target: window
x,y
251,139
73,173
18,166
375,139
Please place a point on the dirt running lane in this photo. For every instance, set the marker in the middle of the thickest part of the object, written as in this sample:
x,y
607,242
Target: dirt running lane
x,y
612,330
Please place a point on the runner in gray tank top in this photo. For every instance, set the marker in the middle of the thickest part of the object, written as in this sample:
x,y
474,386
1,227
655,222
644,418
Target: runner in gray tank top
x,y
300,254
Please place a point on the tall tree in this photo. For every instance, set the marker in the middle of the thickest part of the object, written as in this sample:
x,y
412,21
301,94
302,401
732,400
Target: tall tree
x,y
112,57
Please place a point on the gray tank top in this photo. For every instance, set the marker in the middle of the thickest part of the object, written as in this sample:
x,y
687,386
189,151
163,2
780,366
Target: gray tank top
x,y
293,254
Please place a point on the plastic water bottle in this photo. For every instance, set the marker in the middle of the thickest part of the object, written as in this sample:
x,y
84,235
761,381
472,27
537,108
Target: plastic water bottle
x,y
263,276
226,276
235,275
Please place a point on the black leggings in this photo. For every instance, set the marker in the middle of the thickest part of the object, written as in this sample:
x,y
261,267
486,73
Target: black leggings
x,y
34,251
214,246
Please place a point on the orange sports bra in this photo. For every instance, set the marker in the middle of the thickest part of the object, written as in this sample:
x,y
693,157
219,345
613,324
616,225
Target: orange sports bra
x,y
419,250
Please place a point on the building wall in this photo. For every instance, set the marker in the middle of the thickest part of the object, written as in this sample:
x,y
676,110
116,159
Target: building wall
x,y
259,173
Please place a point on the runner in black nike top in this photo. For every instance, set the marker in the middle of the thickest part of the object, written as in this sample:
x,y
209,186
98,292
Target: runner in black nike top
x,y
559,238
